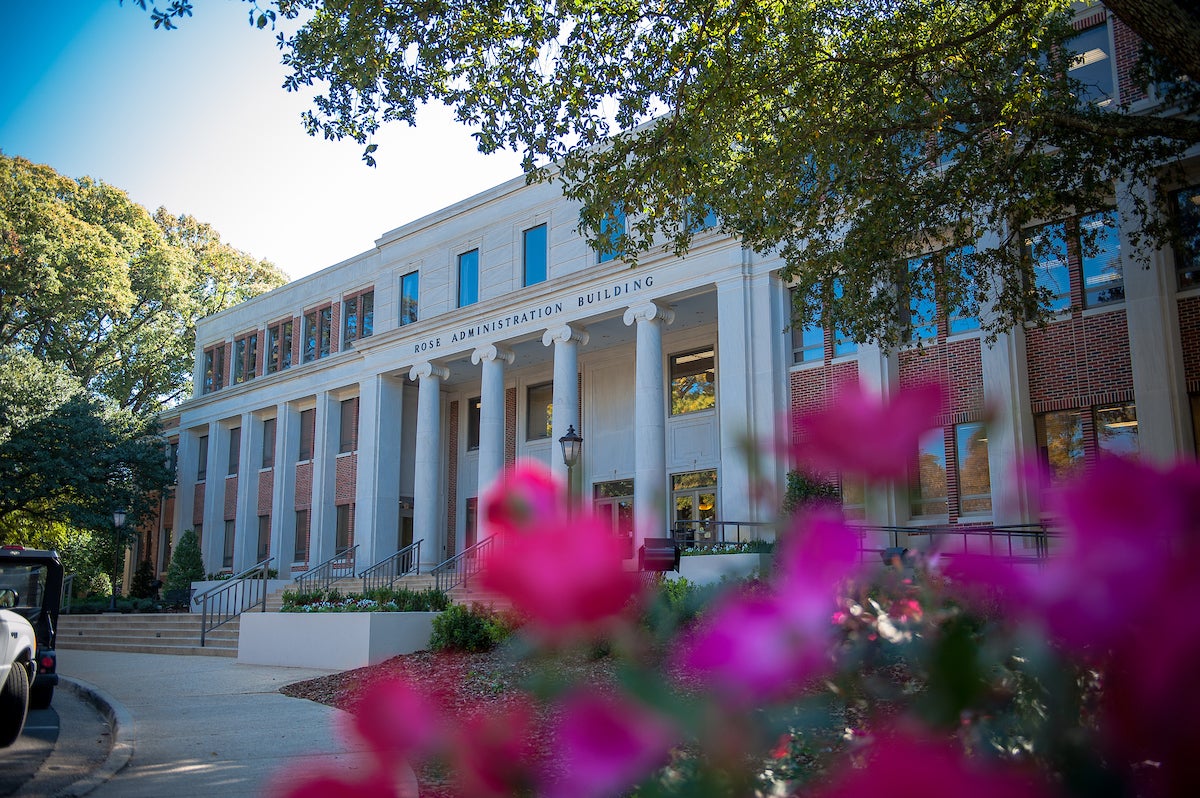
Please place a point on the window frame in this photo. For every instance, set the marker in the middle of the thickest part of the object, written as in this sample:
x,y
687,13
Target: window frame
x,y
202,460
214,369
270,430
348,432
358,309
308,435
317,329
235,452
919,502
468,267
543,249
410,305
547,407
278,356
615,249
303,530
474,407
1186,246
245,357
677,371
964,435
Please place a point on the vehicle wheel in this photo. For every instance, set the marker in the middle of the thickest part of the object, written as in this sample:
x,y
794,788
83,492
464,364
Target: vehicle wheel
x,y
40,697
14,703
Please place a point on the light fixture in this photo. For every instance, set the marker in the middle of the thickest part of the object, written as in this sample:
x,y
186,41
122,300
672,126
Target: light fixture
x,y
118,517
571,444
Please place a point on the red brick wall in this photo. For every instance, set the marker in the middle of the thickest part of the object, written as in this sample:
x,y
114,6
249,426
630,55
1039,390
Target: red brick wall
x,y
266,491
956,364
510,426
1128,49
814,388
304,484
1189,334
1078,362
231,490
346,479
198,503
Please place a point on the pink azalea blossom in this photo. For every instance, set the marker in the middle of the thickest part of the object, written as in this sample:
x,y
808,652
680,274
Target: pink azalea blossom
x,y
606,744
566,575
396,720
909,765
337,785
815,557
493,754
528,496
864,435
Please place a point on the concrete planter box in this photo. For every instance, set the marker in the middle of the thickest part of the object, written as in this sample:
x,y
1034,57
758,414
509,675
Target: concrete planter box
x,y
273,585
334,640
707,569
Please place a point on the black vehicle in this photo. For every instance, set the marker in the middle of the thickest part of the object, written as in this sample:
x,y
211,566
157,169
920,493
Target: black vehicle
x,y
37,577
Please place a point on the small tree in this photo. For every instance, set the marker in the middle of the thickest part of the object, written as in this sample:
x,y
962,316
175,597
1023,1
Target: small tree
x,y
805,491
187,565
143,579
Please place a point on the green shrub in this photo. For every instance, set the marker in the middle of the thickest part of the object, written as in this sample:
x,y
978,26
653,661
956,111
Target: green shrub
x,y
474,628
187,565
143,580
805,491
379,600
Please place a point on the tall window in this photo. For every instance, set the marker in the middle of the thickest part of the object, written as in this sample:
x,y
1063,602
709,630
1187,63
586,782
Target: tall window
x,y
694,496
308,430
974,476
317,333
279,346
1117,430
1087,249
410,294
693,381
358,317
1060,443
929,488
1046,248
534,255
264,537
227,548
930,298
202,459
473,408
245,357
1186,204
1100,256
214,368
613,226
539,411
300,550
345,527
268,443
468,278
922,305
235,451
1092,66
808,336
348,439
173,460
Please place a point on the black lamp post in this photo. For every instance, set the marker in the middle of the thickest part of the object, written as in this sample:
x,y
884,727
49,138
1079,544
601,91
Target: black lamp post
x,y
118,523
572,445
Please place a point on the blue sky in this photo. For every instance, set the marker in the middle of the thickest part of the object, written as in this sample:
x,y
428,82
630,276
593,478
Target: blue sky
x,y
195,120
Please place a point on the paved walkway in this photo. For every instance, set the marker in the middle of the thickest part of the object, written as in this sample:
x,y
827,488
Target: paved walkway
x,y
206,726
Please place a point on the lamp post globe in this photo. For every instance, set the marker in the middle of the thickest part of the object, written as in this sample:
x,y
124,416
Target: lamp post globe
x,y
118,518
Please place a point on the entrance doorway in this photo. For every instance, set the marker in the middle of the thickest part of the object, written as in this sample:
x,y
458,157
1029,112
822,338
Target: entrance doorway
x,y
404,531
694,503
613,503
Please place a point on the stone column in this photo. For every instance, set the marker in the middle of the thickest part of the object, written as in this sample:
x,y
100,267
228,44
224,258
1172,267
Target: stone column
x,y
377,494
283,496
491,422
185,484
650,423
323,539
245,552
213,532
427,500
566,340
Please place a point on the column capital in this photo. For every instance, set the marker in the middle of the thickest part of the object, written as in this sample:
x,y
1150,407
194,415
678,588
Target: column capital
x,y
427,369
492,352
649,311
565,333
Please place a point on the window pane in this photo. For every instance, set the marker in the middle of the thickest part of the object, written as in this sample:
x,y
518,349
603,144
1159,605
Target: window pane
x,y
694,479
409,295
854,499
535,255
345,512
239,360
227,554
326,332
843,344
235,450
268,446
808,344
922,308
349,321
264,537
1117,430
311,334
202,458
367,305
974,478
614,226
1060,443
693,382
348,439
308,423
473,407
929,483
1046,247
1092,66
468,278
1187,252
1102,280
963,316
539,409
300,552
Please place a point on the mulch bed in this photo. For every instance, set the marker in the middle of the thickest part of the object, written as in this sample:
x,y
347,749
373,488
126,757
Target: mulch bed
x,y
463,685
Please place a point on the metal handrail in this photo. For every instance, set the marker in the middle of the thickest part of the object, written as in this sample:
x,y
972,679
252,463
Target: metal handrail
x,y
715,533
462,566
1016,543
67,589
339,566
226,601
385,572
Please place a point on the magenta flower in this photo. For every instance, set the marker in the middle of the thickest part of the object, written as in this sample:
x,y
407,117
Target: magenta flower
x,y
913,766
607,744
567,575
337,785
815,557
865,435
396,720
493,754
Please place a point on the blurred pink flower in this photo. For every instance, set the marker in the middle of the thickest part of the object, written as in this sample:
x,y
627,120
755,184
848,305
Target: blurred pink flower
x,y
528,496
863,434
607,743
909,765
493,754
336,785
816,555
567,576
396,720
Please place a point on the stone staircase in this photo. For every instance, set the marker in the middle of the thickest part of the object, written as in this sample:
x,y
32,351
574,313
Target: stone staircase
x,y
148,633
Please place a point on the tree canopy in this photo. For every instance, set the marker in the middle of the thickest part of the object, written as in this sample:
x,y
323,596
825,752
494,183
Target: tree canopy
x,y
89,279
845,135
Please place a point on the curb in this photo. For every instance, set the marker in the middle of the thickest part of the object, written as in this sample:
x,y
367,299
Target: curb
x,y
123,736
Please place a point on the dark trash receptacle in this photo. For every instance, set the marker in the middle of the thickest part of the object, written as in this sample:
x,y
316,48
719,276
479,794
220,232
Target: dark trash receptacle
x,y
658,554
894,555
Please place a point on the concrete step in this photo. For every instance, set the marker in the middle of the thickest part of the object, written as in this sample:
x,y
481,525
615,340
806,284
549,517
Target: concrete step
x,y
166,633
180,650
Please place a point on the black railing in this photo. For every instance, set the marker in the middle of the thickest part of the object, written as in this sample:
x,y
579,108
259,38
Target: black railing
x,y
226,601
462,566
339,566
385,572
1018,543
706,534
67,591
